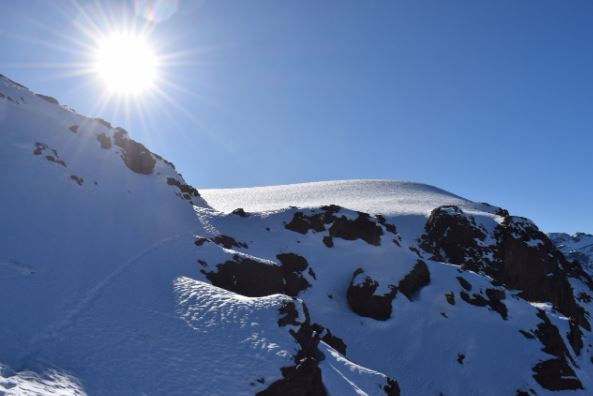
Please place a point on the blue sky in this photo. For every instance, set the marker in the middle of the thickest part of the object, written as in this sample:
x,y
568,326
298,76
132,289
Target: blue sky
x,y
491,100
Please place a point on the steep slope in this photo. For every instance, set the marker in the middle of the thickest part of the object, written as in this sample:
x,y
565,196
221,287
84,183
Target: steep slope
x,y
118,278
576,247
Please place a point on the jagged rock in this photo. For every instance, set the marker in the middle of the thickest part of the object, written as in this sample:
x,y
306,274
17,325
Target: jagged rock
x,y
330,339
228,242
304,378
254,278
363,300
104,140
186,191
493,300
451,235
77,179
240,212
136,157
415,280
363,227
554,374
522,258
360,228
528,261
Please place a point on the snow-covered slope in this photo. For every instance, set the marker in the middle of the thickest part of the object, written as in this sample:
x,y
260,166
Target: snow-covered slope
x,y
386,197
118,278
576,247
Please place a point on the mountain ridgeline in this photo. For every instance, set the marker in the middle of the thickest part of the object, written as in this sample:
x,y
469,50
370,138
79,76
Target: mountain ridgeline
x,y
119,278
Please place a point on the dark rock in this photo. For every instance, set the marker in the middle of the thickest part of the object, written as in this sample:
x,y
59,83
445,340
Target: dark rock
x,y
363,227
460,358
330,339
104,140
186,191
136,157
554,374
103,122
253,278
228,242
39,147
304,378
537,269
240,212
363,301
392,388
451,232
464,283
79,180
200,241
492,300
450,297
360,228
302,224
73,128
328,241
58,161
415,280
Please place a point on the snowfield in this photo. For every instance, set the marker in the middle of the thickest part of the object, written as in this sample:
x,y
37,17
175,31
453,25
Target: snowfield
x,y
118,278
385,197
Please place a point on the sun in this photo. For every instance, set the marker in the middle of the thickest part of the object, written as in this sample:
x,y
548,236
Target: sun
x,y
126,63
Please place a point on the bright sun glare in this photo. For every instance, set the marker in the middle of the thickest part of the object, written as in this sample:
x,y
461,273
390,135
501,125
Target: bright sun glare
x,y
126,63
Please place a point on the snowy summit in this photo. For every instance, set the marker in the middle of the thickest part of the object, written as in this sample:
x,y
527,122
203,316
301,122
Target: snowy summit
x,y
119,278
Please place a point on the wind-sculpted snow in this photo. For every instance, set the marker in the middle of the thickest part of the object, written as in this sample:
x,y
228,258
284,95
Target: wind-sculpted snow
x,y
385,197
119,278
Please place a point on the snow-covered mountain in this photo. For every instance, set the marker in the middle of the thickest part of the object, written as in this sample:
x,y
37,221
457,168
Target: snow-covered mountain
x,y
118,278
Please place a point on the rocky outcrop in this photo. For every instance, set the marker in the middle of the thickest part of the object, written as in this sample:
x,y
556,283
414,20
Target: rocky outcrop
x,y
520,257
363,300
451,235
186,191
528,261
254,278
104,141
328,218
41,148
554,374
136,157
414,280
304,378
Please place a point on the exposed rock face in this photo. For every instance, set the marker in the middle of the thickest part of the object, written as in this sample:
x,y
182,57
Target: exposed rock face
x,y
360,228
254,278
451,235
414,280
104,140
240,212
554,374
136,157
186,191
363,300
528,261
304,378
493,300
522,258
364,227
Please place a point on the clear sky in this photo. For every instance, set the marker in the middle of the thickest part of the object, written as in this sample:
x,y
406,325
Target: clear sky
x,y
491,100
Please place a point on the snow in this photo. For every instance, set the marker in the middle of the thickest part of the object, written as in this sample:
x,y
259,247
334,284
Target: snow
x,y
385,197
103,294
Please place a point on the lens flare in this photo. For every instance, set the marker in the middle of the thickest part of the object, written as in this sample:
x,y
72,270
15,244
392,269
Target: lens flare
x,y
126,63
